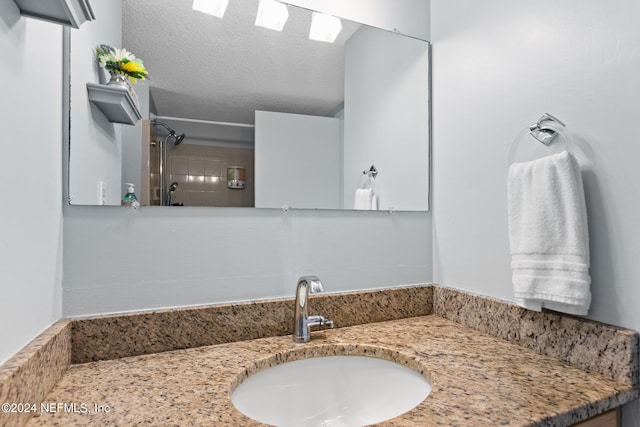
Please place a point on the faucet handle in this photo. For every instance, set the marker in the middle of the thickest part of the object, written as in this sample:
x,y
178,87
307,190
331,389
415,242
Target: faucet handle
x,y
318,320
327,322
315,285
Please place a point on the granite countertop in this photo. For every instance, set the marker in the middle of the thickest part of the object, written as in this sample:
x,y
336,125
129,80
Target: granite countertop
x,y
478,380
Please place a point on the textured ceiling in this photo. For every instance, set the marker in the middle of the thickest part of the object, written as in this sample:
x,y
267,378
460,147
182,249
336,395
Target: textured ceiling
x,y
203,67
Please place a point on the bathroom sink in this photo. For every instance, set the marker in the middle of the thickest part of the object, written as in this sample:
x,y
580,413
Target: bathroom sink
x,y
331,391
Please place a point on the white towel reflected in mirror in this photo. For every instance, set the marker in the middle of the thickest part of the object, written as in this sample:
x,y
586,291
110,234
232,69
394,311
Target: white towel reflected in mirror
x,y
365,199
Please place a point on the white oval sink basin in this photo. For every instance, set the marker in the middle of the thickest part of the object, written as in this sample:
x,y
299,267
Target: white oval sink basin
x,y
331,391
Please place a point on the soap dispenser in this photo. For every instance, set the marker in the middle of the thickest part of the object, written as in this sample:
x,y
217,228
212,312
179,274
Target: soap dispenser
x,y
130,198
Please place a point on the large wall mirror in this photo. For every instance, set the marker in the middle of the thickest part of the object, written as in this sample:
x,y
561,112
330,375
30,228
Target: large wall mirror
x,y
270,119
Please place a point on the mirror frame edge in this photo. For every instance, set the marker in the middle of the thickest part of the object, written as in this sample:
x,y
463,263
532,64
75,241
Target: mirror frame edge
x,y
66,116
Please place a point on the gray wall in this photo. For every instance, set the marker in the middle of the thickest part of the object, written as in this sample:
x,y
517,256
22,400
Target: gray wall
x,y
117,259
31,173
97,152
132,143
497,66
386,124
298,159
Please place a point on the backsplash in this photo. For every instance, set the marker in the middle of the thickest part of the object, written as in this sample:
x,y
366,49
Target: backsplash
x,y
589,345
115,336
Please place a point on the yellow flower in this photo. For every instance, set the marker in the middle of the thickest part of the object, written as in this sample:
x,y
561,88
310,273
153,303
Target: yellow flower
x,y
133,67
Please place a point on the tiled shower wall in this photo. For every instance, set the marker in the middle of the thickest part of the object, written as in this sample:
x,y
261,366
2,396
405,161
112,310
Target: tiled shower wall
x,y
201,174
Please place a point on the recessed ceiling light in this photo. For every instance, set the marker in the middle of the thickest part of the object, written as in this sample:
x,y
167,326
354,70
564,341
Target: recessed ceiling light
x,y
211,7
324,28
272,14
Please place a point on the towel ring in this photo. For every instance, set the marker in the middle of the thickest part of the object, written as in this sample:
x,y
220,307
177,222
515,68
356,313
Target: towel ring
x,y
542,129
372,172
548,136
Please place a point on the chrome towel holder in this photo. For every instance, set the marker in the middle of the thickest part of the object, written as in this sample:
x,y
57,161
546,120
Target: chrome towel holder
x,y
543,129
372,172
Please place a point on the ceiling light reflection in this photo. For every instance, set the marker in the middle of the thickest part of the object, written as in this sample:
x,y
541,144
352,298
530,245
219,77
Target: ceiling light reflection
x,y
211,7
324,28
272,14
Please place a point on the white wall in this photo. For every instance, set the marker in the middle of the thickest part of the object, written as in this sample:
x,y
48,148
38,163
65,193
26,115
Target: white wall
x,y
497,66
31,170
298,159
96,151
386,111
119,260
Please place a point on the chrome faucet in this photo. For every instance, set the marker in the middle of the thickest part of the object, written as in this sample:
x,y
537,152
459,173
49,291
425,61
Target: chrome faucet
x,y
302,321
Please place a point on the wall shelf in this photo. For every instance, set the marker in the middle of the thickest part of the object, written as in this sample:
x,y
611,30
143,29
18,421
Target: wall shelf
x,y
115,102
71,13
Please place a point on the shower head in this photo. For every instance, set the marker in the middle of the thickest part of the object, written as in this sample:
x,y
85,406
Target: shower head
x,y
172,133
178,138
173,186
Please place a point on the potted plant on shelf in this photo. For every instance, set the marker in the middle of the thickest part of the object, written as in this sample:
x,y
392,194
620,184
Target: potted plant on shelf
x,y
123,66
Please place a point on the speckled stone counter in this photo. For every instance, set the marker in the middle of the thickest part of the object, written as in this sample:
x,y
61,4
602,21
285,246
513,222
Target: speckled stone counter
x,y
490,361
29,375
478,380
593,346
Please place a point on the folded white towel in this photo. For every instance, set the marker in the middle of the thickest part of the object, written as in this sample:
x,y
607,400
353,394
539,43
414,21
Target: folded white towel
x,y
548,235
365,199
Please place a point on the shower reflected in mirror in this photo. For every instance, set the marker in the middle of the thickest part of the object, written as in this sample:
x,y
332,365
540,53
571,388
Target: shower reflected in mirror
x,y
172,188
165,200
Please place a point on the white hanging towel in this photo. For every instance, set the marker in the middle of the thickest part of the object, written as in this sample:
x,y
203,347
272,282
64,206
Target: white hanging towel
x,y
365,199
548,235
